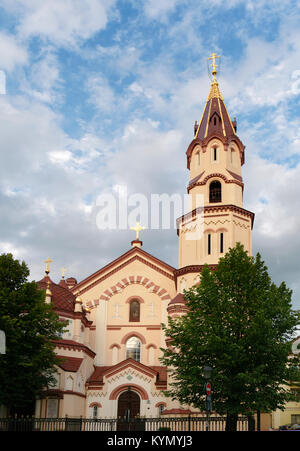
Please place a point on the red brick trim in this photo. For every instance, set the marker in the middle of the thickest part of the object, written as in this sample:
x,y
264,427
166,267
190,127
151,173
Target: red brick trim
x,y
70,392
151,345
119,367
161,404
215,175
226,142
135,298
242,219
72,345
214,209
115,345
176,412
117,391
177,309
133,334
93,386
60,393
93,404
121,326
125,282
140,253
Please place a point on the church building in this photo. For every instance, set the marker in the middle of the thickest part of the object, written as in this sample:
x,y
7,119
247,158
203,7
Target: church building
x,y
110,352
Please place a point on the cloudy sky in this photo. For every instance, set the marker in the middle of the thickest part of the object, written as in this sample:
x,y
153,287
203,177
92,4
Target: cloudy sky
x,y
96,94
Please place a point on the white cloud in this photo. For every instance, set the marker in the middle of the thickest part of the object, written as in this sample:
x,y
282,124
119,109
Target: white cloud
x,y
44,82
101,94
12,52
158,8
150,157
152,93
59,156
62,22
272,192
9,248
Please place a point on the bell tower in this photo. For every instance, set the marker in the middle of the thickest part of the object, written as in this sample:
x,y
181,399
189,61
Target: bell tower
x,y
217,219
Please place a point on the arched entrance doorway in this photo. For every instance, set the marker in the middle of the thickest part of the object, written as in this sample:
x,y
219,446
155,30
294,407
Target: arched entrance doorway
x,y
129,405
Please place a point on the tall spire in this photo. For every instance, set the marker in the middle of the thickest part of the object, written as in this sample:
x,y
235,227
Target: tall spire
x,y
215,117
215,120
214,90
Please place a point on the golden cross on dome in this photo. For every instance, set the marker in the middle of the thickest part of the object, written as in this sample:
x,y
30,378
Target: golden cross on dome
x,y
137,229
63,270
213,57
48,261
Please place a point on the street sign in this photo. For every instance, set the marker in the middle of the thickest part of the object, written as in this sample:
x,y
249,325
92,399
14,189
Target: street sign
x,y
208,388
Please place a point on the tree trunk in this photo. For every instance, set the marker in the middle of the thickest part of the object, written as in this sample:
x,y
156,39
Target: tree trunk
x,y
231,422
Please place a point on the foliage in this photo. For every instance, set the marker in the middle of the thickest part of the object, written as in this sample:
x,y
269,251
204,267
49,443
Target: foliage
x,y
30,326
241,324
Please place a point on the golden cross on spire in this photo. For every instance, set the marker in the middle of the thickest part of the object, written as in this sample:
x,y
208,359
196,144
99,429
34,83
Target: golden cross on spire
x,y
48,261
137,229
63,270
214,66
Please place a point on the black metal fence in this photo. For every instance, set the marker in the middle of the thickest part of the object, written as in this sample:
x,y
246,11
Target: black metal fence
x,y
187,424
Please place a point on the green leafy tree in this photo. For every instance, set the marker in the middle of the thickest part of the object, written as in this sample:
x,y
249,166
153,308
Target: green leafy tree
x,y
30,325
240,324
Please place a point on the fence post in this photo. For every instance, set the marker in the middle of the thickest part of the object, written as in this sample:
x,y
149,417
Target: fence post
x,y
258,420
251,423
66,422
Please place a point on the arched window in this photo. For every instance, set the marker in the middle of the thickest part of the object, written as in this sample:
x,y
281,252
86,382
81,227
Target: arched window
x,y
214,153
221,242
209,244
232,157
133,349
134,310
95,412
82,334
115,355
69,383
215,191
161,408
151,355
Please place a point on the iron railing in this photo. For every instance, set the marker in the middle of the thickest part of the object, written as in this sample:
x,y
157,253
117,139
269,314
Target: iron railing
x,y
186,424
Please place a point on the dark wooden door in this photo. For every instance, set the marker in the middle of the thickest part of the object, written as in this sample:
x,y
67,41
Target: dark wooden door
x,y
128,405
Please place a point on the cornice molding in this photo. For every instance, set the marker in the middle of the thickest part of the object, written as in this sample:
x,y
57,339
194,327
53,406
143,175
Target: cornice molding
x,y
194,183
135,253
214,209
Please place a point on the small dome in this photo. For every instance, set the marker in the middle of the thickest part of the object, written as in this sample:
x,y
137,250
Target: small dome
x,y
62,298
179,299
78,299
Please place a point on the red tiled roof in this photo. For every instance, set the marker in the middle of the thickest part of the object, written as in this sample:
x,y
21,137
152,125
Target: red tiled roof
x,y
100,371
161,374
62,298
70,363
179,299
63,284
71,344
